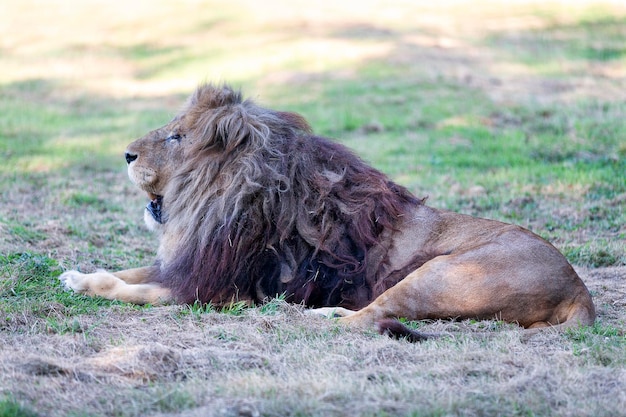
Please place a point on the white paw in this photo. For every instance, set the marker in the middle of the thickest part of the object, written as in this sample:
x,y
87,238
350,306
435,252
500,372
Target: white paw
x,y
330,312
74,281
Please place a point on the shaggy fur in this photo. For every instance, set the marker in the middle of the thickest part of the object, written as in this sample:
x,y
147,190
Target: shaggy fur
x,y
265,208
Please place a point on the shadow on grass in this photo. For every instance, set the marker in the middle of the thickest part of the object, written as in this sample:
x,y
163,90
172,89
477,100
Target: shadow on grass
x,y
44,129
597,40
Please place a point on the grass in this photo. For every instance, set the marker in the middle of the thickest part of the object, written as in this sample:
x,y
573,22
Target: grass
x,y
514,113
10,408
29,288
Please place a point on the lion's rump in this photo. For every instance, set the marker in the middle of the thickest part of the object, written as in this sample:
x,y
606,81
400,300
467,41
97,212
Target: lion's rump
x,y
282,212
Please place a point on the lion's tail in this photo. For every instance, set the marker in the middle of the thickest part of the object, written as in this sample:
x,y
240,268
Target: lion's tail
x,y
394,328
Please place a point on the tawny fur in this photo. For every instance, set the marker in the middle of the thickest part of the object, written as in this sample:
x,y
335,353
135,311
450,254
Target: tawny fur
x,y
252,205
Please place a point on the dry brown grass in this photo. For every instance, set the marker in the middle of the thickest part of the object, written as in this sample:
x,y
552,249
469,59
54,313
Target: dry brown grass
x,y
137,362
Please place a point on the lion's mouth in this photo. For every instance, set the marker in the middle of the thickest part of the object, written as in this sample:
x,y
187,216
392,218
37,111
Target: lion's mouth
x,y
154,207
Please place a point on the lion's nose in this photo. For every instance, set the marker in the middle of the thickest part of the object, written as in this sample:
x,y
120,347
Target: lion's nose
x,y
130,157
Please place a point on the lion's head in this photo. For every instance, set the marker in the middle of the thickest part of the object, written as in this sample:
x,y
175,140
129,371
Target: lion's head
x,y
152,161
250,204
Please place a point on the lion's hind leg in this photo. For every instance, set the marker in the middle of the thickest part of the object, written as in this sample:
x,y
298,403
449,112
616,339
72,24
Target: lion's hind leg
x,y
531,285
577,313
112,287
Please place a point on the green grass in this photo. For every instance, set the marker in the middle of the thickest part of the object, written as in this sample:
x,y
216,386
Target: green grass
x,y
29,285
198,309
11,408
602,345
61,134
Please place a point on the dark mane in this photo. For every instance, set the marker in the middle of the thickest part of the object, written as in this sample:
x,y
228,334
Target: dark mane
x,y
263,207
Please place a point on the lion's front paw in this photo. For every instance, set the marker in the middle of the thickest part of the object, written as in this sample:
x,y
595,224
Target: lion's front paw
x,y
74,281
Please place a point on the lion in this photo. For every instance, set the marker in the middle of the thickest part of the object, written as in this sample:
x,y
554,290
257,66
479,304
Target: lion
x,y
249,204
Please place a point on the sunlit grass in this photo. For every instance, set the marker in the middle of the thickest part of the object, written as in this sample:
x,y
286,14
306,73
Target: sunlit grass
x,y
513,112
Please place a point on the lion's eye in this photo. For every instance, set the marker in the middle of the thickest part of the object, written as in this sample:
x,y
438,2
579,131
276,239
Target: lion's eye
x,y
174,138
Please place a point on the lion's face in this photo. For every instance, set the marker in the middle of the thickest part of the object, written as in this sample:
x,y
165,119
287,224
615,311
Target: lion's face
x,y
152,160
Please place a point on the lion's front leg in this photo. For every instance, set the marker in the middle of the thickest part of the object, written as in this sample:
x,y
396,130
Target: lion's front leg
x,y
137,275
129,286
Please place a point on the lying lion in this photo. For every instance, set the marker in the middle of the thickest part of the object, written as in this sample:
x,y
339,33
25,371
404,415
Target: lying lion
x,y
249,204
